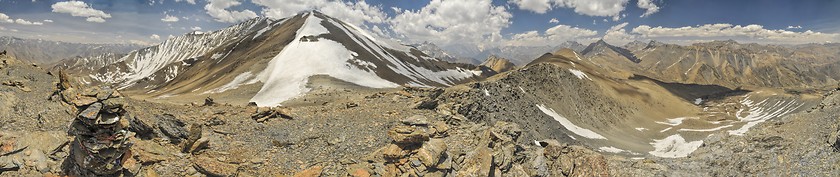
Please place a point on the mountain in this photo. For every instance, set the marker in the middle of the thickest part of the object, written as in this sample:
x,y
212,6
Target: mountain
x,y
734,64
601,47
574,46
498,64
436,52
49,52
519,55
270,61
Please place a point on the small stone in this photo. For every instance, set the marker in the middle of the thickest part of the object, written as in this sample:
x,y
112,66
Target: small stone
x,y
39,161
107,119
477,163
351,105
314,171
257,160
415,120
392,151
92,111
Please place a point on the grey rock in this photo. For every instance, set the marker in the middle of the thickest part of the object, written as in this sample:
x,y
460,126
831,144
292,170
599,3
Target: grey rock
x,y
92,111
416,120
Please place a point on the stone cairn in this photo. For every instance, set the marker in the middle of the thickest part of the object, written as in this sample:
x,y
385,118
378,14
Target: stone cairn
x,y
101,144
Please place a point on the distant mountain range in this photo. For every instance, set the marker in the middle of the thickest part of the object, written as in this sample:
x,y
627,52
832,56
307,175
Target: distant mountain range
x,y
519,55
726,63
49,52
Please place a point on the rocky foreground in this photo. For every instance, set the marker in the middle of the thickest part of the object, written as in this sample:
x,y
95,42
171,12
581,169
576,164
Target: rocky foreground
x,y
341,132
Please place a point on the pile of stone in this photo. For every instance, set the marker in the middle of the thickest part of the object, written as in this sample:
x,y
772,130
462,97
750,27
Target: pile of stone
x,y
102,138
417,149
262,114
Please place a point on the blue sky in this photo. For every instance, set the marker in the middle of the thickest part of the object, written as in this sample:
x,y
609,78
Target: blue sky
x,y
483,23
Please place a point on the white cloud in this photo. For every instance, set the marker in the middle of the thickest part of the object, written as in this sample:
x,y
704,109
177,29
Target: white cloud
x,y
5,18
169,19
24,22
357,13
749,33
80,9
48,21
551,36
649,6
476,22
536,6
188,1
794,27
600,8
554,20
95,19
155,37
195,28
617,35
218,10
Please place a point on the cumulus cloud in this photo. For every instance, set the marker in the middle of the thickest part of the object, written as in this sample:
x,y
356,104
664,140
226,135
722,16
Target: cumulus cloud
x,y
218,10
618,35
748,33
600,8
188,1
476,22
536,6
5,18
80,9
649,6
155,37
169,19
794,27
554,20
48,21
195,28
357,13
551,36
24,22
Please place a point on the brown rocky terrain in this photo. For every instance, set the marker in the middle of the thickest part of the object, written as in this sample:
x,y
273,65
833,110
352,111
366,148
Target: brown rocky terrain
x,y
487,128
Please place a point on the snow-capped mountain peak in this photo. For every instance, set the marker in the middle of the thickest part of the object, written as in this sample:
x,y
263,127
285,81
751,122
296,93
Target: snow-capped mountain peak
x,y
275,59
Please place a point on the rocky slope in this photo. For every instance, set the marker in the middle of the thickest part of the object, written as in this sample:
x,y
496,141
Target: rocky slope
x,y
48,53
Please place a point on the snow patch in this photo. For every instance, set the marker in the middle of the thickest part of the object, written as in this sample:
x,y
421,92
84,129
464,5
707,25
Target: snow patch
x,y
612,149
762,111
698,101
569,125
704,130
673,122
579,74
486,93
241,79
641,129
674,146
